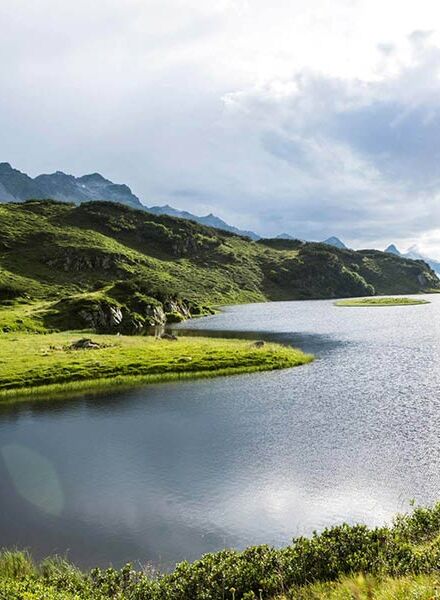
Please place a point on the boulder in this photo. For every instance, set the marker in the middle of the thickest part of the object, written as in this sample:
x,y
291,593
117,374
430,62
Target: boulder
x,y
102,316
84,343
169,336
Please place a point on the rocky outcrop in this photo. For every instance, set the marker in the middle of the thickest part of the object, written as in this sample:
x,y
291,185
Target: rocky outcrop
x,y
105,315
101,316
185,246
423,280
134,323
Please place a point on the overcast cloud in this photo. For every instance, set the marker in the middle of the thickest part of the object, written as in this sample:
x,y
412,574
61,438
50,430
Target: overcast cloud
x,y
314,117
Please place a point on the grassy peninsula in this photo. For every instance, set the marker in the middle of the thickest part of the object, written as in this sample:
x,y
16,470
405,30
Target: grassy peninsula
x,y
380,301
341,563
44,365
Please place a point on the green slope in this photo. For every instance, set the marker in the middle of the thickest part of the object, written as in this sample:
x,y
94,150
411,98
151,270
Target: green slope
x,y
102,258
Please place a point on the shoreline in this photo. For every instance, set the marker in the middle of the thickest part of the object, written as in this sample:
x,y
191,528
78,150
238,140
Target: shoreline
x,y
97,387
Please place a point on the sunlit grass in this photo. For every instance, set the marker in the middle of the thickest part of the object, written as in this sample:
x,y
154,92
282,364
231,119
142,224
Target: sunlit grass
x,y
43,365
361,587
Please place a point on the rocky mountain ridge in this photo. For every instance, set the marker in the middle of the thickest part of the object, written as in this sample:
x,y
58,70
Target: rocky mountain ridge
x,y
16,186
414,253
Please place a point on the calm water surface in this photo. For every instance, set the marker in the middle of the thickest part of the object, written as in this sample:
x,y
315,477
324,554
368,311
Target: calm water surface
x,y
170,471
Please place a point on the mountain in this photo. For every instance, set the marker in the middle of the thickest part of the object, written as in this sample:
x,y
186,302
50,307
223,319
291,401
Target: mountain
x,y
209,220
331,241
336,242
102,264
284,236
414,253
392,249
16,186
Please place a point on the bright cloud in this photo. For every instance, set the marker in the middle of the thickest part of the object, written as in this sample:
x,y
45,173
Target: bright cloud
x,y
318,117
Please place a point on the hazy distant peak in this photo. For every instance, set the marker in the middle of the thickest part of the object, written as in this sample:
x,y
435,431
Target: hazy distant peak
x,y
392,249
414,253
335,241
210,220
284,236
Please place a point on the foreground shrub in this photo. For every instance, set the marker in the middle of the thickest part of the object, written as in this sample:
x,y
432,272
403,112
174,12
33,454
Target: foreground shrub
x,y
409,548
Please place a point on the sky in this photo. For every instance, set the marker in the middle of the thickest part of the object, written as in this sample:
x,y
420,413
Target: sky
x,y
310,117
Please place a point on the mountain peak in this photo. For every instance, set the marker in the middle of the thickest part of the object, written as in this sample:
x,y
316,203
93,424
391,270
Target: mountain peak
x,y
6,168
336,242
284,236
392,249
92,178
19,187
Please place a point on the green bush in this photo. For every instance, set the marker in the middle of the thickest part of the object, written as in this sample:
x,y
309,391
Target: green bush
x,y
409,547
174,317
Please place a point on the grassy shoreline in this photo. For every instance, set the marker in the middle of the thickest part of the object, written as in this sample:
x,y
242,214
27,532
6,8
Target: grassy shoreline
x,y
37,366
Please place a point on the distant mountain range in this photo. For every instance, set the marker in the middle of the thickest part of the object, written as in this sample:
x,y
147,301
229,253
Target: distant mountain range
x,y
16,186
210,220
415,254
331,241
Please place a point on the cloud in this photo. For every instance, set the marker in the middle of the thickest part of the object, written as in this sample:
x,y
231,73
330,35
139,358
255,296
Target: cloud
x,y
363,157
303,116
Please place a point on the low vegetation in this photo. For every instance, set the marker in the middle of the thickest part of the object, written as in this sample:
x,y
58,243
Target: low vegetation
x,y
341,563
380,301
57,363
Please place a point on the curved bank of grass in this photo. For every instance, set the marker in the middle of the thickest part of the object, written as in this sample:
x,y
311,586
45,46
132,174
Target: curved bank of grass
x,y
381,301
41,366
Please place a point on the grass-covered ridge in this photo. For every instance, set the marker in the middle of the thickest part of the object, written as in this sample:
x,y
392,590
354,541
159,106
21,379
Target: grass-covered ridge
x,y
380,301
46,365
105,266
342,563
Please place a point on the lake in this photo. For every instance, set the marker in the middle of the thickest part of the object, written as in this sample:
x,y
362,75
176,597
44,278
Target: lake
x,y
168,472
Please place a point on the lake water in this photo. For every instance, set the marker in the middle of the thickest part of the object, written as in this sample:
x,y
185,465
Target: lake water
x,y
171,471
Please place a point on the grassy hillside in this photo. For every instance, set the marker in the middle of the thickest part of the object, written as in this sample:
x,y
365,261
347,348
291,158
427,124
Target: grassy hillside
x,y
396,562
109,267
